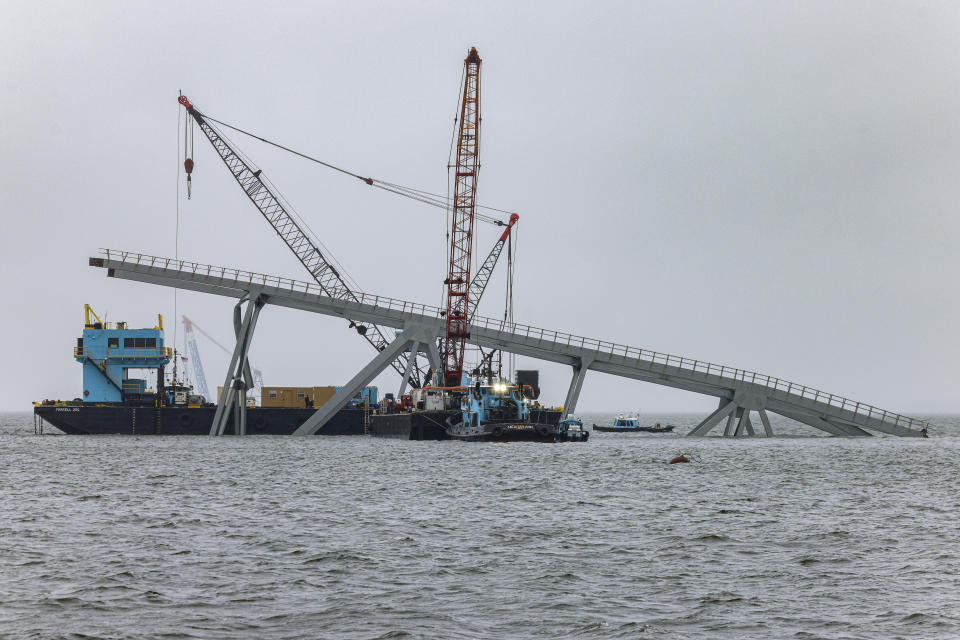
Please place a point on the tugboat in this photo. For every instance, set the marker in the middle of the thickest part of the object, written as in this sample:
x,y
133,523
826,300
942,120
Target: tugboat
x,y
485,407
495,410
629,424
119,363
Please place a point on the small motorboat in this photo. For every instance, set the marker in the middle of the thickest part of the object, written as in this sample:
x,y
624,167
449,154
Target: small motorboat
x,y
571,430
629,424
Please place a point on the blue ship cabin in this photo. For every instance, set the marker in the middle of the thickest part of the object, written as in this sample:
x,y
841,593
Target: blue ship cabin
x,y
111,351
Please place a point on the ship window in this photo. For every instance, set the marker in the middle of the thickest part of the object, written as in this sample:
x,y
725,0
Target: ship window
x,y
150,343
129,343
273,393
113,343
141,342
80,342
300,394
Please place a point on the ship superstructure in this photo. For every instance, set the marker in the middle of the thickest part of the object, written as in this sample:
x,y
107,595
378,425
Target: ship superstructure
x,y
111,352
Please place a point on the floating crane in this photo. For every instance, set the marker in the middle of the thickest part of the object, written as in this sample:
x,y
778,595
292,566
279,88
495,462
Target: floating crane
x,y
462,294
457,314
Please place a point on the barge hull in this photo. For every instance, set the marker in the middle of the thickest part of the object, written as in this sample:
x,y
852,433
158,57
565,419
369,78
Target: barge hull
x,y
182,421
432,425
421,425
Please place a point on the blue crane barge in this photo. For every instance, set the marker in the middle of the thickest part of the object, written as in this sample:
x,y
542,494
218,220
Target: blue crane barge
x,y
127,390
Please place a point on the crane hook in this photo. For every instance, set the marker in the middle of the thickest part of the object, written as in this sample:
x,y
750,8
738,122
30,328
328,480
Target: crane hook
x,y
188,167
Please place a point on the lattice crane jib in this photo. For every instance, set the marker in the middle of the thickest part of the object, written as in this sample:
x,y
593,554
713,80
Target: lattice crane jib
x,y
198,373
479,283
461,233
292,234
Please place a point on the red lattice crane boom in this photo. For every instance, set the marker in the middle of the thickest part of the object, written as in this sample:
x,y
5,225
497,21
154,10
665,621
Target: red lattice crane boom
x,y
461,232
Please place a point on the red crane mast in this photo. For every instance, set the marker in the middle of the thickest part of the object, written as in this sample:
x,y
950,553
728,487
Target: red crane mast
x,y
461,232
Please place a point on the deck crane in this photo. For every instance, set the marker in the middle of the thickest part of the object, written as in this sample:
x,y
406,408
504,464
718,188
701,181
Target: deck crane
x,y
201,379
457,313
273,210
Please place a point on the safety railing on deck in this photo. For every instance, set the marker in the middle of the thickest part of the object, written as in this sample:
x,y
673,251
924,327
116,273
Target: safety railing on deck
x,y
643,356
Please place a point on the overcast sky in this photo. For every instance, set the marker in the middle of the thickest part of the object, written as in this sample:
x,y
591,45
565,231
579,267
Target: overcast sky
x,y
767,185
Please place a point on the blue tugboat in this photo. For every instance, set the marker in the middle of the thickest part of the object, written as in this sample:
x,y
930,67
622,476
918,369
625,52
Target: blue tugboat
x,y
496,410
629,424
126,391
486,407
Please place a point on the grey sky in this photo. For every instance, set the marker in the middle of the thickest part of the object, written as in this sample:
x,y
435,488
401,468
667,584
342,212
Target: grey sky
x,y
761,184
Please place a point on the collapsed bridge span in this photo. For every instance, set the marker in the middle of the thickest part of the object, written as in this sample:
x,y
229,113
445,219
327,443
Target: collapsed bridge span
x,y
740,393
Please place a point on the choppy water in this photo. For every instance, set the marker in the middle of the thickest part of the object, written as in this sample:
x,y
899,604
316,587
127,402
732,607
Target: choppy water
x,y
279,537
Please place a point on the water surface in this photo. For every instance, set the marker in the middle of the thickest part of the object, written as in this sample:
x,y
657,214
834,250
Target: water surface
x,y
351,537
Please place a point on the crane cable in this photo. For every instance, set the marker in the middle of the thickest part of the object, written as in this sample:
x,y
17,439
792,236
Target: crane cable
x,y
419,195
291,210
176,247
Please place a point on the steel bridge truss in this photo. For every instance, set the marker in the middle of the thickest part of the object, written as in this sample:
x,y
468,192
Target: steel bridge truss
x,y
740,393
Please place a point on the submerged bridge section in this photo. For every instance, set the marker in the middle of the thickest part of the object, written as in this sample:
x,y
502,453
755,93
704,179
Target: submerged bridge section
x,y
740,393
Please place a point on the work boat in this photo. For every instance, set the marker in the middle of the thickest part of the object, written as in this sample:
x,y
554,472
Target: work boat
x,y
493,409
630,424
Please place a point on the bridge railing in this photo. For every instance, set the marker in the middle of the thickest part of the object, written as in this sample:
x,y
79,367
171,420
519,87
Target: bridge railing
x,y
652,358
264,280
643,356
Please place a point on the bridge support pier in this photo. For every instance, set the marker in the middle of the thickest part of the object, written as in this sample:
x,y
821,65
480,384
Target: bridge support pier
x,y
576,385
410,337
433,354
731,419
737,412
739,423
767,429
744,424
233,395
725,409
411,361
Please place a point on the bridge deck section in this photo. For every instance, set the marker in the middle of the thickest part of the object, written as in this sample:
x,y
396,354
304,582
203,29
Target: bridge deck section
x,y
739,391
